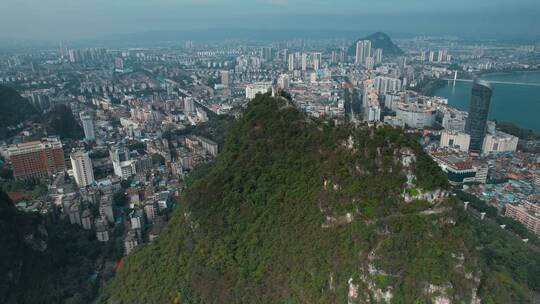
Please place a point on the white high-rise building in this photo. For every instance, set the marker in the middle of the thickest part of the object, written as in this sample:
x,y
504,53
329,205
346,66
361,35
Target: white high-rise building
x,y
367,49
284,81
359,52
431,56
387,84
363,50
441,55
317,60
372,113
291,62
334,57
82,168
378,56
88,126
304,61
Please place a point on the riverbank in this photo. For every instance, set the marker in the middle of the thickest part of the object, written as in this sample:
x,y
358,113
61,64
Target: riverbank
x,y
430,86
494,73
511,101
507,72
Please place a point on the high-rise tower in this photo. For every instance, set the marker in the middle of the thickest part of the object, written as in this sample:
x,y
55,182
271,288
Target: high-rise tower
x,y
478,114
82,168
88,126
363,51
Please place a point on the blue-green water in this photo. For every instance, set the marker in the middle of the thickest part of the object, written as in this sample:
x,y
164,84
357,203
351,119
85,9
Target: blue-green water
x,y
516,103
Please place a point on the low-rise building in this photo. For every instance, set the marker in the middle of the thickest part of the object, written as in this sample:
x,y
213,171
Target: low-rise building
x,y
526,213
461,169
416,116
499,142
209,146
455,139
102,232
130,242
257,88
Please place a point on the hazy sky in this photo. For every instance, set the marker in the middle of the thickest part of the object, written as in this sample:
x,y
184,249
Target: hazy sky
x,y
80,19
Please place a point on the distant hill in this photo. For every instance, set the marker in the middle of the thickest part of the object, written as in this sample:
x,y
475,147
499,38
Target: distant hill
x,y
60,121
13,109
379,40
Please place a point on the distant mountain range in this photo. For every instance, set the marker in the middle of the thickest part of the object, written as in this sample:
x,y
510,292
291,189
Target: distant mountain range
x,y
379,40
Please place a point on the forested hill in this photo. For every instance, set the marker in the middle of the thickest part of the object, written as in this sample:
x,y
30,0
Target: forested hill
x,y
60,121
13,109
42,262
382,41
296,210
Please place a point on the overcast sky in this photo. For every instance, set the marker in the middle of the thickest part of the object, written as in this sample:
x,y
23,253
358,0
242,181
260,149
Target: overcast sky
x,y
81,19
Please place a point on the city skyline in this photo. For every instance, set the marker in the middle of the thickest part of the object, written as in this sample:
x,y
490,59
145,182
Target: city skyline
x,y
270,151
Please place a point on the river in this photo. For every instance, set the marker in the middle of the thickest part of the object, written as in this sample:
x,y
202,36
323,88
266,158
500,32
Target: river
x,y
516,103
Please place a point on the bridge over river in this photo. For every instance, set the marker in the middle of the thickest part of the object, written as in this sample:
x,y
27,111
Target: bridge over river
x,y
498,82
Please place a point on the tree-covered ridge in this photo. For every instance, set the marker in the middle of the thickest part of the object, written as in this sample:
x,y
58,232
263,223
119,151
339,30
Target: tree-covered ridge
x,y
379,40
60,121
296,210
13,109
42,262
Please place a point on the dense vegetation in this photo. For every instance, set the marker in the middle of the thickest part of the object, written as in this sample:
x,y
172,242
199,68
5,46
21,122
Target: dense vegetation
x,y
42,262
510,128
214,129
293,209
13,109
379,40
429,86
493,213
510,267
60,121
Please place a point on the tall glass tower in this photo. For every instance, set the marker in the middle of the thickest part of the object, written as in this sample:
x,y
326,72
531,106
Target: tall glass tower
x,y
478,114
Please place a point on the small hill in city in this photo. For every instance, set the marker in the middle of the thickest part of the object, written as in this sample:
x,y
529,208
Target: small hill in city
x,y
14,109
61,122
379,40
301,210
42,262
